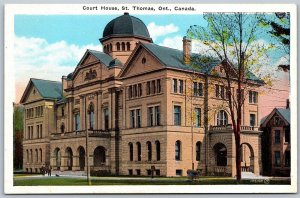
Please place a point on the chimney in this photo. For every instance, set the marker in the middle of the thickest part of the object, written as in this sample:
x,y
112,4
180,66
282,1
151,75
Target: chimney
x,y
287,103
186,50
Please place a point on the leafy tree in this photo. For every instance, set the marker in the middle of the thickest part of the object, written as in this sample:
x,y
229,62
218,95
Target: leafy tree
x,y
18,136
231,38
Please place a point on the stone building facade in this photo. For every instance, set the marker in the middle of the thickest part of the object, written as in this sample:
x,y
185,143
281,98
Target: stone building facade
x,y
137,105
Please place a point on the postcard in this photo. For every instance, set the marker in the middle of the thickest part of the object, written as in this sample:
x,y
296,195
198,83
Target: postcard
x,y
150,98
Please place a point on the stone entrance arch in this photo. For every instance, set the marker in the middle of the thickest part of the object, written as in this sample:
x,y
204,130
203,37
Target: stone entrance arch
x,y
69,156
220,152
81,154
247,158
99,156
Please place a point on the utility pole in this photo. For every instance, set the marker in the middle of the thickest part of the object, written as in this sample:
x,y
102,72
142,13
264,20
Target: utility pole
x,y
86,145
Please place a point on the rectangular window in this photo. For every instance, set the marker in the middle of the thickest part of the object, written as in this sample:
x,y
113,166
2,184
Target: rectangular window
x,y
149,172
287,135
132,118
200,89
178,172
222,92
130,91
130,172
38,131
174,85
158,85
106,118
177,115
277,137
157,172
153,87
197,117
154,116
138,172
180,86
217,89
135,91
253,97
140,91
287,155
277,158
252,120
77,122
148,88
195,88
41,131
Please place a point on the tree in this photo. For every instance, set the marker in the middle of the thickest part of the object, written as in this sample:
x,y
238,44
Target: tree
x,y
18,136
232,38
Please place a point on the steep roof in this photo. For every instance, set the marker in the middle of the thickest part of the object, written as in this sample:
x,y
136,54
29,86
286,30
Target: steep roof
x,y
102,57
284,113
47,88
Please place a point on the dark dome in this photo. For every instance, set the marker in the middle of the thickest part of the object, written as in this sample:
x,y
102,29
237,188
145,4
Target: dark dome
x,y
126,25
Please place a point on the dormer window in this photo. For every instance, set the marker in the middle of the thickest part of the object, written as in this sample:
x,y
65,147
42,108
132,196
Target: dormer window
x,y
144,60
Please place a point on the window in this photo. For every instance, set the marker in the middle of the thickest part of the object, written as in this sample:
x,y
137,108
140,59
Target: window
x,y
222,119
177,150
41,131
198,151
37,131
287,155
277,137
130,92
91,116
110,47
106,118
180,86
130,151
138,172
154,116
277,158
149,150
27,156
252,120
287,134
123,46
217,89
139,156
135,118
149,172
148,88
198,117
198,89
130,172
253,97
158,85
179,172
174,85
177,115
195,88
36,155
62,128
118,46
140,91
153,87
41,155
157,172
128,46
77,121
157,145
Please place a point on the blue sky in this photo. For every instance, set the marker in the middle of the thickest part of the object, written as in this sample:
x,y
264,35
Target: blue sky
x,y
49,46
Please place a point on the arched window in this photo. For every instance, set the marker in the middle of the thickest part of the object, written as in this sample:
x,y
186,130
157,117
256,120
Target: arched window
x,y
91,116
130,151
62,128
41,155
77,121
128,46
118,46
27,156
198,150
149,150
139,152
104,48
57,158
220,154
222,118
99,156
157,145
177,150
31,159
69,155
110,47
123,46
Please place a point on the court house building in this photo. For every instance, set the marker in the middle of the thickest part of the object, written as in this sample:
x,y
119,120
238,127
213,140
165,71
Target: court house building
x,y
137,107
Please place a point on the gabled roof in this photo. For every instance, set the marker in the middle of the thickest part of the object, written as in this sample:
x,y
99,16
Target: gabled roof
x,y
283,113
102,57
47,89
173,58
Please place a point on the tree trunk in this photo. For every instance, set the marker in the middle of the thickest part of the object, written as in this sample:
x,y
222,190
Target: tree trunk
x,y
238,154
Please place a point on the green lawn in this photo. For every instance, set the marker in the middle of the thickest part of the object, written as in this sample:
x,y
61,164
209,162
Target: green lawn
x,y
56,181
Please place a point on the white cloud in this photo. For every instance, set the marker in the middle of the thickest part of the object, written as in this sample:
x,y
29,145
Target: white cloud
x,y
172,42
161,30
36,58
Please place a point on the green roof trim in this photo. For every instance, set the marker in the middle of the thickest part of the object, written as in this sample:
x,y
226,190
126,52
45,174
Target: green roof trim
x,y
285,113
48,89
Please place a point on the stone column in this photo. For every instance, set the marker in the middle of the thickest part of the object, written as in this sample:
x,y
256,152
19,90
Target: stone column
x,y
75,163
